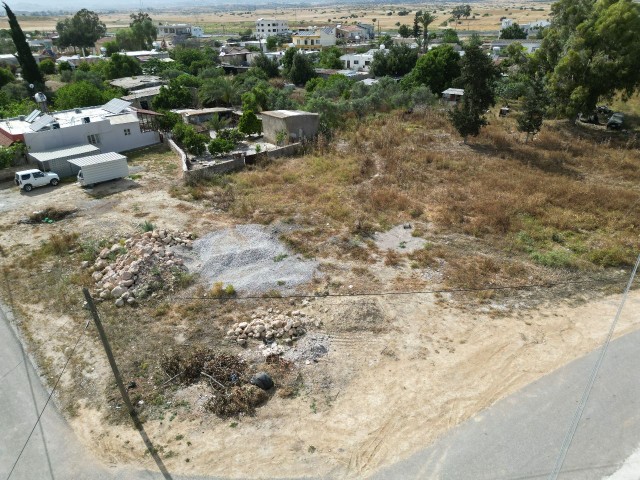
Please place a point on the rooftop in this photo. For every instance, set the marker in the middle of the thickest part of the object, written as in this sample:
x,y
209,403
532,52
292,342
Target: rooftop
x,y
143,92
201,111
137,82
64,152
67,118
287,113
96,159
453,91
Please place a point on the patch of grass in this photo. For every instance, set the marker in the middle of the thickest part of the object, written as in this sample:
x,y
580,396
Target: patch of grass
x,y
147,226
183,278
219,290
280,257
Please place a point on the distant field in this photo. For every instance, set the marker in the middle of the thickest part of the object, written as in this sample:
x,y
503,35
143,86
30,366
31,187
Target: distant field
x,y
486,16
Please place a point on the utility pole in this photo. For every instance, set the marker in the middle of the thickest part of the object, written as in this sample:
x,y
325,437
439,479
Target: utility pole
x,y
112,360
123,391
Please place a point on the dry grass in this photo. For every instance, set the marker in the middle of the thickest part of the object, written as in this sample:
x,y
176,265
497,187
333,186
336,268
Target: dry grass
x,y
563,200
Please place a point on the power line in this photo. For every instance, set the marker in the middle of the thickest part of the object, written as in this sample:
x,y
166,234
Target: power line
x,y
73,351
401,293
568,439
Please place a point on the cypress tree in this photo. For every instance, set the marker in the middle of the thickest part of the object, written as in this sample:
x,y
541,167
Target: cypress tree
x,y
30,71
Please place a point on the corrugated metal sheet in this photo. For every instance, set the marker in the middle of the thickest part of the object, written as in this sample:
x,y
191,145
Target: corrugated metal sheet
x,y
42,122
120,119
115,106
96,159
64,152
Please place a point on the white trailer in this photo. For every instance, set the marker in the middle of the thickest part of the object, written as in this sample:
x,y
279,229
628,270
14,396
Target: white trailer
x,y
100,168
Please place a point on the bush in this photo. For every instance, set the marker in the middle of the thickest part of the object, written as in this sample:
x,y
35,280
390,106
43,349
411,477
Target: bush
x,y
220,291
231,134
218,146
47,66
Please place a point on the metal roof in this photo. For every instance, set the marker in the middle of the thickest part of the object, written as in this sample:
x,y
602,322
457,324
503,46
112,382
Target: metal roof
x,y
64,152
42,122
287,113
96,159
115,106
32,116
453,91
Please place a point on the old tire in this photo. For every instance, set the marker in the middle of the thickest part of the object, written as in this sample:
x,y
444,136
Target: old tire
x,y
54,182
262,380
27,188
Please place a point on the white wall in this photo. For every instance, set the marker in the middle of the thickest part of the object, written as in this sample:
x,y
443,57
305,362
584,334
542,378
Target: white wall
x,y
268,27
112,137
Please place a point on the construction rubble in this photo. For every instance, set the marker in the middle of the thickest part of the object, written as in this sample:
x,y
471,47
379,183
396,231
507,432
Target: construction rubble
x,y
139,266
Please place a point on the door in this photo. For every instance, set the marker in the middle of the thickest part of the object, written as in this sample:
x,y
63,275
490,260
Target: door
x,y
39,179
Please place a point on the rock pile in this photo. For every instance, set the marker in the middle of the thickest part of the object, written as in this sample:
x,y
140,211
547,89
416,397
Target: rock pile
x,y
141,265
272,325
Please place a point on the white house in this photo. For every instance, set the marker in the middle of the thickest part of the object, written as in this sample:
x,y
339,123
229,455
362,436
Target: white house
x,y
360,61
112,127
530,46
174,29
268,27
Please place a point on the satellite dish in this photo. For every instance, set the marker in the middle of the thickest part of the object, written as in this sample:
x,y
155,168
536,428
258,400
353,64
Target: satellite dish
x,y
40,97
31,85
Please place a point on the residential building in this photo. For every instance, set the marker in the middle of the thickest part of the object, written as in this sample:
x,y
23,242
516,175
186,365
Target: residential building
x,y
144,55
196,116
314,38
532,28
177,29
452,95
268,27
369,29
359,61
198,32
497,46
293,125
113,127
234,55
351,33
143,97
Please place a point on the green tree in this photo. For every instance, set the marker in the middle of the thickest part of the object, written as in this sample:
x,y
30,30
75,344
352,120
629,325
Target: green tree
x,y
513,32
173,96
436,69
47,66
143,28
220,91
249,123
396,61
301,70
478,76
6,76
81,31
218,146
533,108
118,66
450,36
218,122
330,58
459,12
424,19
287,59
79,94
30,71
591,54
272,43
268,66
404,31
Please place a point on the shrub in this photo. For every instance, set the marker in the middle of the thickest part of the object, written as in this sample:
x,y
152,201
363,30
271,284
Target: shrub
x,y
218,146
220,291
147,226
47,66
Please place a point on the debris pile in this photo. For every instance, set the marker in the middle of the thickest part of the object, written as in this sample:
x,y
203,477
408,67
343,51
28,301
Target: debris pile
x,y
142,264
272,325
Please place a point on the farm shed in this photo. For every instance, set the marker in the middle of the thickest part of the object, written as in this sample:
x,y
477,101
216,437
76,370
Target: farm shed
x,y
296,125
57,160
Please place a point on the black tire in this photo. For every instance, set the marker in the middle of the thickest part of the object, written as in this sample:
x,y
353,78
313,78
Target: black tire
x,y
262,380
55,182
27,188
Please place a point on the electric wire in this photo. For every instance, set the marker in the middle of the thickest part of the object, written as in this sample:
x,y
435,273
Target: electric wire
x,y
568,439
73,351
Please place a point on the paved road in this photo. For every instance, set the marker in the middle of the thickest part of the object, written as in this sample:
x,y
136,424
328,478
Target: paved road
x,y
520,436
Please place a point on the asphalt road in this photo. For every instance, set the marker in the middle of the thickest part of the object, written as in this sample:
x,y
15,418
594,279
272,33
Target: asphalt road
x,y
520,437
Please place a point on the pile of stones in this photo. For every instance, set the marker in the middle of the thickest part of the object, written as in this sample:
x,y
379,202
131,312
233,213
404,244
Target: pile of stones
x,y
136,267
271,325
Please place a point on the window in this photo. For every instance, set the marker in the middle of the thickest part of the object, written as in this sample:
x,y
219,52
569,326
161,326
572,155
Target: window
x,y
356,62
93,139
127,131
26,176
38,174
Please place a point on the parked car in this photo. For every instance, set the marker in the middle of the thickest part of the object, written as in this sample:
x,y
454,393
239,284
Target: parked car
x,y
27,180
615,121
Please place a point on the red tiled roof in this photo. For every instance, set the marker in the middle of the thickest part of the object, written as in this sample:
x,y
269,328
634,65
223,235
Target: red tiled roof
x,y
5,140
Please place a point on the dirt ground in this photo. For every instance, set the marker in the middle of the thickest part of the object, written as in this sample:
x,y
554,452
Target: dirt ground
x,y
398,371
486,16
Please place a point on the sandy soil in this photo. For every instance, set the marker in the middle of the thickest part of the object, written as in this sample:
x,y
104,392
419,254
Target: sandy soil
x,y
399,371
487,16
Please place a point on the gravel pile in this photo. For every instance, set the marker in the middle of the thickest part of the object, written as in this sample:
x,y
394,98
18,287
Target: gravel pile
x,y
249,257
